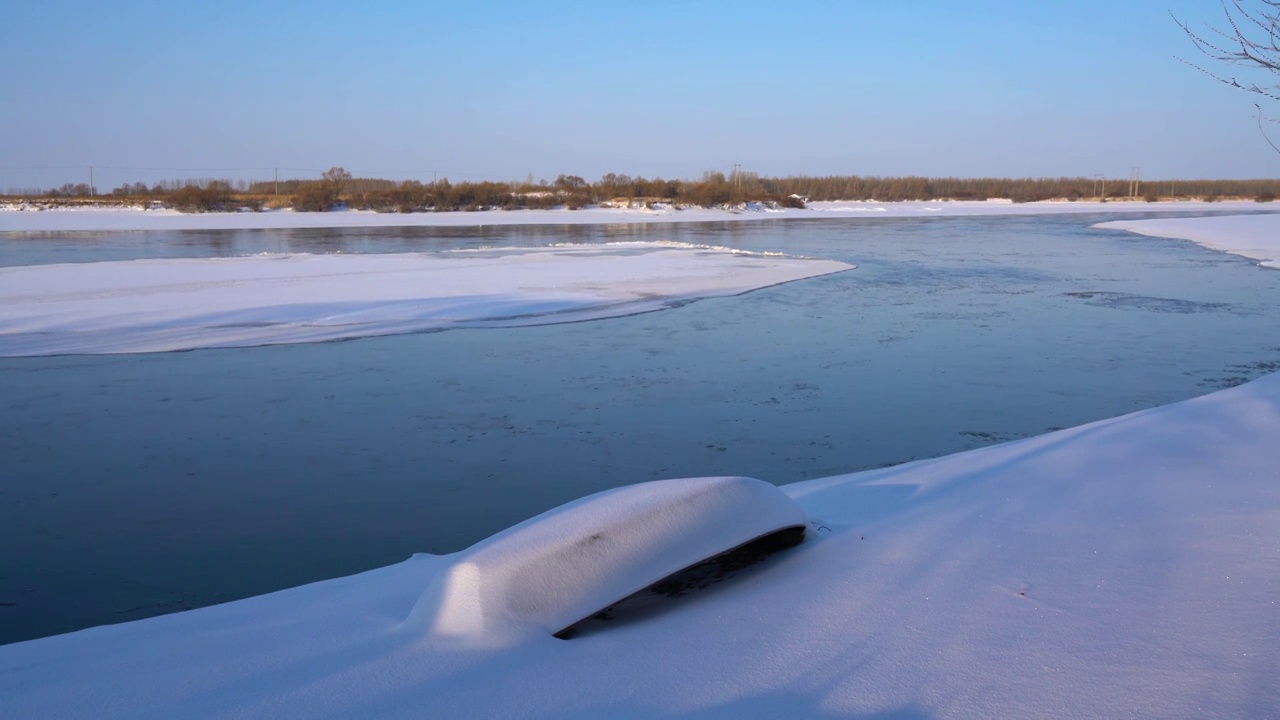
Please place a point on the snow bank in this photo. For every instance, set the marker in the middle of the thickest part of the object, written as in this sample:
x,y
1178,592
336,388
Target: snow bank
x,y
1127,568
1253,236
72,220
159,305
553,570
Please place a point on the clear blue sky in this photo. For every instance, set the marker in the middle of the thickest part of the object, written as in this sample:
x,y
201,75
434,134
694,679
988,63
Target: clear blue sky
x,y
501,90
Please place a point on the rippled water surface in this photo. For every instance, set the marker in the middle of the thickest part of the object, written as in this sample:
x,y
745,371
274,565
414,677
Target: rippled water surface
x,y
137,485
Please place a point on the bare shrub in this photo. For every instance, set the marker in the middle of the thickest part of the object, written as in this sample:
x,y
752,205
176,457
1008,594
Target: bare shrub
x,y
315,197
214,197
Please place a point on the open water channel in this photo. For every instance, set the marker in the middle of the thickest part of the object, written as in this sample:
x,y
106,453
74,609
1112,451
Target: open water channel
x,y
138,485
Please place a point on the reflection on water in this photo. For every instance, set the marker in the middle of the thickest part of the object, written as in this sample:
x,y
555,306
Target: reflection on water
x,y
138,485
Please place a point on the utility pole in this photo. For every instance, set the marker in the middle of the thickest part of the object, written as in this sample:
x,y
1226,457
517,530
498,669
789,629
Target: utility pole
x,y
91,190
1135,179
277,180
1099,179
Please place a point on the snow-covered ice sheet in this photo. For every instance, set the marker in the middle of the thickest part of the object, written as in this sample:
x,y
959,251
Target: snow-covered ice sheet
x,y
71,220
1252,236
1127,568
158,305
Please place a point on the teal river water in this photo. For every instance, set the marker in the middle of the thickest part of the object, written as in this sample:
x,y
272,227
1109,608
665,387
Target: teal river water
x,y
133,486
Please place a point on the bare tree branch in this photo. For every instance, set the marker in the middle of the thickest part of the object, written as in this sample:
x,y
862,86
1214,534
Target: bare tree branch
x,y
1250,40
1263,131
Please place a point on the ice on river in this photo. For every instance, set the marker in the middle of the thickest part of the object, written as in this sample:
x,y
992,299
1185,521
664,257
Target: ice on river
x,y
1252,236
158,305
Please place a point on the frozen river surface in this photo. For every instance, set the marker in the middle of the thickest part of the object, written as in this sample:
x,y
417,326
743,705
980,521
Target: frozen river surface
x,y
137,485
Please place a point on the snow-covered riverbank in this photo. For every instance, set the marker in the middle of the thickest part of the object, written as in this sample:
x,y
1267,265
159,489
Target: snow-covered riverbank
x,y
1126,568
73,220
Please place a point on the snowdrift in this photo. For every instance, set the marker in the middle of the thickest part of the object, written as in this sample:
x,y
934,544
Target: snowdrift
x,y
560,567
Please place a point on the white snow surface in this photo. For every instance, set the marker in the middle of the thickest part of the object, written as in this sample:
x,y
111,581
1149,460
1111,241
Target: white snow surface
x,y
1126,568
551,571
15,218
1252,236
158,305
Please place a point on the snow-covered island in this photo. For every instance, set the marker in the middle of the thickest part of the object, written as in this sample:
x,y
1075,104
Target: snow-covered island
x,y
159,305
1125,568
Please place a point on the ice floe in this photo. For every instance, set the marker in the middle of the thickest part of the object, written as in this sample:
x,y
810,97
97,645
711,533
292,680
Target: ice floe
x,y
159,305
1255,236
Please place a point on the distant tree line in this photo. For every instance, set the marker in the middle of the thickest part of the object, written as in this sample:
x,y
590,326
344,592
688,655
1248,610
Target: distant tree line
x,y
337,188
888,189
